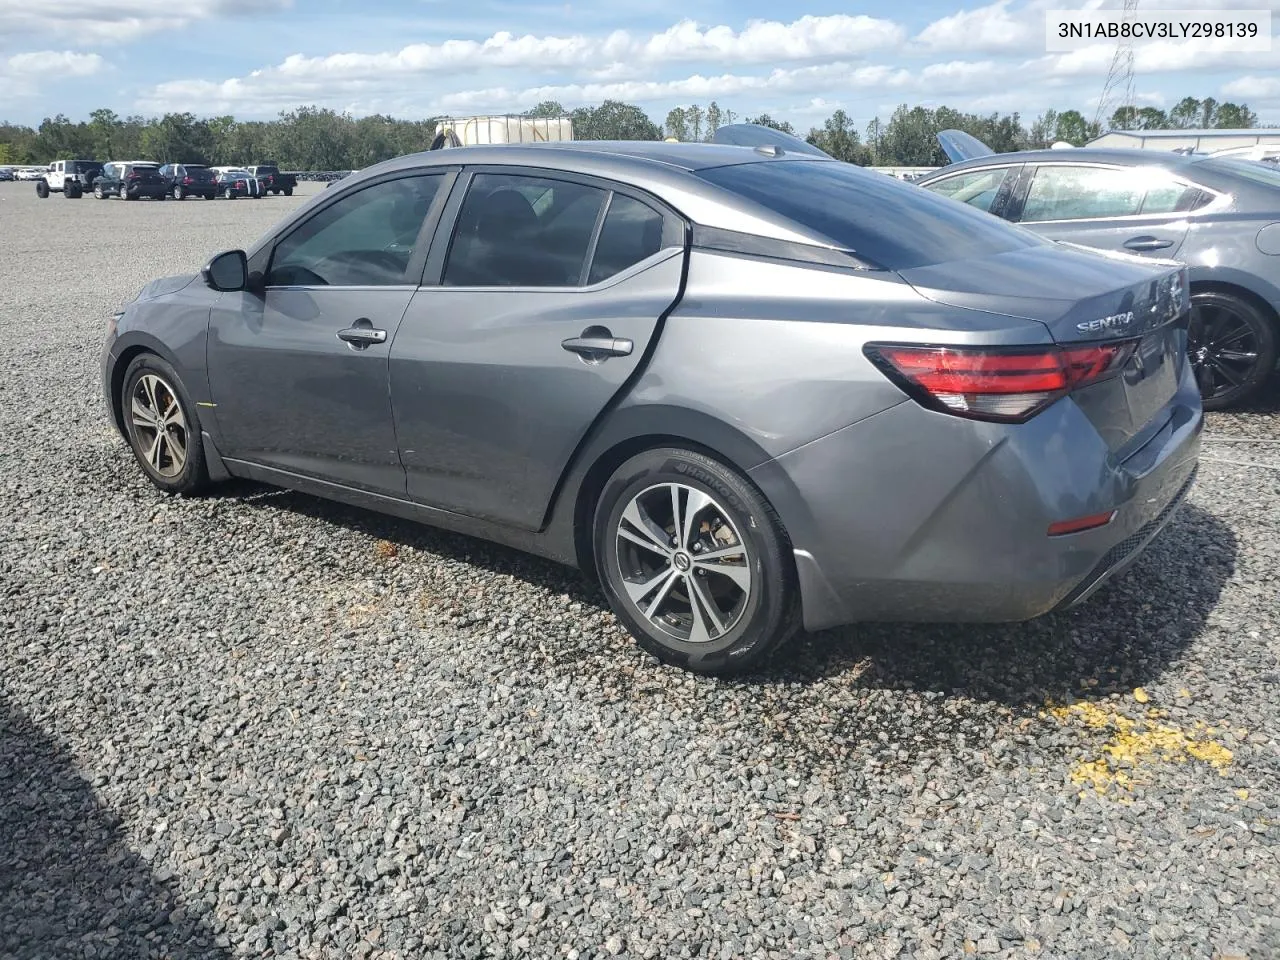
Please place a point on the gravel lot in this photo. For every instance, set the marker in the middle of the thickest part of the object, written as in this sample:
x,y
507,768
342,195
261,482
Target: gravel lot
x,y
259,724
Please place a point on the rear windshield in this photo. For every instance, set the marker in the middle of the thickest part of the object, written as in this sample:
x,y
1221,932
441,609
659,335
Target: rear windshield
x,y
1262,173
83,166
893,224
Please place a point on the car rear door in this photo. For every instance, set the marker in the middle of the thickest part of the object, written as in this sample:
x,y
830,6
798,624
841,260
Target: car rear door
x,y
540,299
299,370
1138,210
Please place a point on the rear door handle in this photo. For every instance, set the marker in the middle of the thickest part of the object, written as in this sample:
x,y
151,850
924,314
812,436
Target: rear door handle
x,y
362,334
1147,243
593,348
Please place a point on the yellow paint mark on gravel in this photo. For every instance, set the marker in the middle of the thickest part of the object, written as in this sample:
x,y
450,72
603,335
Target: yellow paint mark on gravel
x,y
1136,745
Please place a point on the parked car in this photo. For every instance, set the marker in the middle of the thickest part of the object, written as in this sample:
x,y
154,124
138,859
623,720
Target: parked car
x,y
130,180
30,173
71,178
184,180
273,181
749,389
236,182
1216,214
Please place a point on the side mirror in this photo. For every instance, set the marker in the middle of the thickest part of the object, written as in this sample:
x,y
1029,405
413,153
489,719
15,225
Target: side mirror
x,y
227,271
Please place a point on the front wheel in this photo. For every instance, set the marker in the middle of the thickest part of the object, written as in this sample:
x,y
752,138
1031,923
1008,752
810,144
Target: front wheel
x,y
694,562
1232,346
162,426
97,192
123,192
42,190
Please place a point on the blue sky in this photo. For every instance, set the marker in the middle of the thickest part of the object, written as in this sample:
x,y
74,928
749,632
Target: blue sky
x,y
420,58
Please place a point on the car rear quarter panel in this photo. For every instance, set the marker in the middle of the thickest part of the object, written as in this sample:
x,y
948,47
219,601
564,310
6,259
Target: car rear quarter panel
x,y
1225,250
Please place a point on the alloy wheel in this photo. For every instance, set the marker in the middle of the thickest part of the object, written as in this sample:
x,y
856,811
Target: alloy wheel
x,y
160,428
685,566
1223,347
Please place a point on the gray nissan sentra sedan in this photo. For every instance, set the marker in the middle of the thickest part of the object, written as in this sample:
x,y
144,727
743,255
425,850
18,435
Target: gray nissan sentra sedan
x,y
749,389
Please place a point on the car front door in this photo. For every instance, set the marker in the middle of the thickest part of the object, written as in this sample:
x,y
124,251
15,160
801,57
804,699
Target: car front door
x,y
298,370
539,301
1140,210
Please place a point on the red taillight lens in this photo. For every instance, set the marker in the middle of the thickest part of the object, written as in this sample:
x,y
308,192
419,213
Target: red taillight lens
x,y
1001,384
1081,524
187,180
239,183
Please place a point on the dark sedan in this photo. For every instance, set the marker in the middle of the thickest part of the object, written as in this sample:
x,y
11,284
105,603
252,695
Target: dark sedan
x,y
1218,215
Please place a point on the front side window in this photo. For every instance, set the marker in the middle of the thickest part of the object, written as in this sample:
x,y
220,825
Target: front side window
x,y
365,239
977,189
1083,193
523,231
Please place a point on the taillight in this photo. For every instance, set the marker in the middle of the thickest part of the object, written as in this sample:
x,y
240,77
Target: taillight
x,y
187,180
996,383
239,183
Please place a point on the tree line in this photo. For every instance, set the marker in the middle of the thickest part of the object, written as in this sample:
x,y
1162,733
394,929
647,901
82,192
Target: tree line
x,y
316,138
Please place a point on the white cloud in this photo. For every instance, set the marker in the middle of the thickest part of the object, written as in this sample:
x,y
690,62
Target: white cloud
x,y
1253,88
25,74
118,21
983,30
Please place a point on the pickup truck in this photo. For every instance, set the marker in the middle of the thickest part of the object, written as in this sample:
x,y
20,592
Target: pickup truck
x,y
273,181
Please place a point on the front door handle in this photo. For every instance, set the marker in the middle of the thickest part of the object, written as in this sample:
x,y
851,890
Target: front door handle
x,y
1147,243
362,334
598,347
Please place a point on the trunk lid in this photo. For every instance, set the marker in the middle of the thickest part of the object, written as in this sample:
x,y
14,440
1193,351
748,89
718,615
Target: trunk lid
x,y
1084,295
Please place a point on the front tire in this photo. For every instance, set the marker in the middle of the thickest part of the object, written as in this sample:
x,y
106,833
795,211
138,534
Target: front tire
x,y
98,193
1232,345
123,192
42,190
162,426
694,562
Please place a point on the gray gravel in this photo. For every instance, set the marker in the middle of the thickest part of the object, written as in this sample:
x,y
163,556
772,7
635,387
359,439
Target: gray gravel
x,y
259,724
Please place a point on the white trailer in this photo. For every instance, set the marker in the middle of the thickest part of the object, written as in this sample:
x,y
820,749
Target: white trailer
x,y
475,131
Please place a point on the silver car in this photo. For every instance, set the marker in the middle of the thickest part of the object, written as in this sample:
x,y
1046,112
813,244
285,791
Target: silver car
x,y
748,389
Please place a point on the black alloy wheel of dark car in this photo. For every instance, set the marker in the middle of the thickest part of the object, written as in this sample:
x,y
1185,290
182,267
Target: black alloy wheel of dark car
x,y
162,426
694,562
1232,347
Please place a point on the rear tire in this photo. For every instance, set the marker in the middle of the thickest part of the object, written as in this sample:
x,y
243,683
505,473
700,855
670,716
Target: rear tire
x,y
162,426
229,193
42,189
1232,345
718,615
288,191
179,193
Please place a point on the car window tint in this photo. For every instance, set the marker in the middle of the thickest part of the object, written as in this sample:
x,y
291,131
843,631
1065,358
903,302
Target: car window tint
x,y
366,238
977,189
517,231
1083,193
1166,195
632,231
892,224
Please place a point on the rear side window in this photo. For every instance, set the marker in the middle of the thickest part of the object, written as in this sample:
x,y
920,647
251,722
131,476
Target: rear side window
x,y
892,224
1084,193
978,189
632,231
521,231
1166,195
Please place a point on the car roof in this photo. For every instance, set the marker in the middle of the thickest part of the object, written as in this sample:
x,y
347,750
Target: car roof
x,y
664,169
1125,156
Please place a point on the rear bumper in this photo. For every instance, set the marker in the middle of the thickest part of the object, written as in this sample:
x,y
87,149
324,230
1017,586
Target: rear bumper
x,y
917,516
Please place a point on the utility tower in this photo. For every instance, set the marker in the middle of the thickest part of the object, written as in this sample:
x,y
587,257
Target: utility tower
x,y
1118,90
